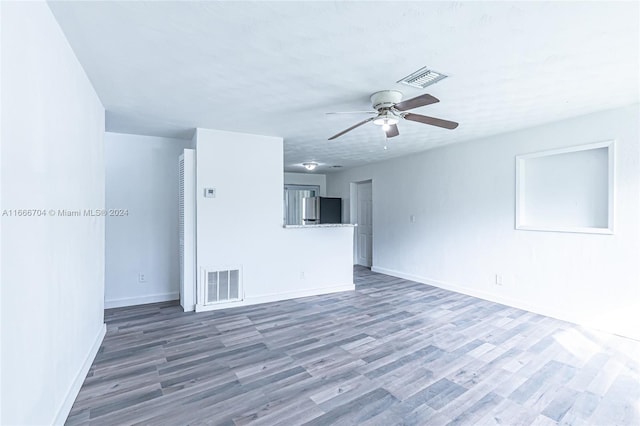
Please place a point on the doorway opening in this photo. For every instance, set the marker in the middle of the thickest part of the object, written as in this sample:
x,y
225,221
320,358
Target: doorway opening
x,y
361,208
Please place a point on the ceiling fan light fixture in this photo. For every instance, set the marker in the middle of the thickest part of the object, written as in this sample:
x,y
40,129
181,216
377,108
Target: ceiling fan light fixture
x,y
310,165
386,120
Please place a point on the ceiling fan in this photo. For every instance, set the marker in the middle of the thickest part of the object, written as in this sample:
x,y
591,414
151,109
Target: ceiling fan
x,y
390,109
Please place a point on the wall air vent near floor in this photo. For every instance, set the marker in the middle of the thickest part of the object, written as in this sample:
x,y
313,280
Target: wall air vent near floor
x,y
222,286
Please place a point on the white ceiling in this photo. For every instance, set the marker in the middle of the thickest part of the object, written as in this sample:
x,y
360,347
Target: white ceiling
x,y
276,68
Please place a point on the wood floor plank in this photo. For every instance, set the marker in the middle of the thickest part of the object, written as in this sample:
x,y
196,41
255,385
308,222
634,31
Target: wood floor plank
x,y
391,352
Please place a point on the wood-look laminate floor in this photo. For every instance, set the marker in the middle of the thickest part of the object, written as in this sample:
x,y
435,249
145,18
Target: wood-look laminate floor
x,y
392,352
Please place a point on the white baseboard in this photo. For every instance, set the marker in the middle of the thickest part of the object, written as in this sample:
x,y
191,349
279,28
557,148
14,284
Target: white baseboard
x,y
72,394
300,293
492,297
141,300
276,297
515,303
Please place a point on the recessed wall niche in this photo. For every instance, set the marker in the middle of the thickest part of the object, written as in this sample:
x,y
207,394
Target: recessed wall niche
x,y
566,190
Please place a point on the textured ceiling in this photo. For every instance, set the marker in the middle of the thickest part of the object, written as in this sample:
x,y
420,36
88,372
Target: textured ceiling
x,y
275,68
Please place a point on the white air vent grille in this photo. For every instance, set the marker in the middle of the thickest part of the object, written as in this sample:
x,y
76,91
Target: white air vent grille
x,y
422,78
222,286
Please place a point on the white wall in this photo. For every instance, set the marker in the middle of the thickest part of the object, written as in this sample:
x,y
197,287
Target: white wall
x,y
52,267
142,178
463,198
307,179
242,226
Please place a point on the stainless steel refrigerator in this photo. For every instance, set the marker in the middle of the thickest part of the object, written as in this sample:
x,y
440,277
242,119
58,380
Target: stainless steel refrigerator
x,y
317,210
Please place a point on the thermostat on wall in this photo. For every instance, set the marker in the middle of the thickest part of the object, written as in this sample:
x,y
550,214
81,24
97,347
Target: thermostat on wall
x,y
210,193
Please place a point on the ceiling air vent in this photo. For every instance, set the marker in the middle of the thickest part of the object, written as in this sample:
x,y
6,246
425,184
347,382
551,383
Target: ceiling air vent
x,y
422,78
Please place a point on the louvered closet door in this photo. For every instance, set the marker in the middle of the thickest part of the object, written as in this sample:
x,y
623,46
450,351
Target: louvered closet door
x,y
187,229
181,219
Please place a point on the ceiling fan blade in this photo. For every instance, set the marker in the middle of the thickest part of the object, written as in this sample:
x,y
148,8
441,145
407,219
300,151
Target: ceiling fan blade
x,y
352,112
416,102
351,128
431,120
393,131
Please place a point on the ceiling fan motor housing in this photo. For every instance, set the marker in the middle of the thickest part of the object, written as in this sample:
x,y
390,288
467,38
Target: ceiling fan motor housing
x,y
385,99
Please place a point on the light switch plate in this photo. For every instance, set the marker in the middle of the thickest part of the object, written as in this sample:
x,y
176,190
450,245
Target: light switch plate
x,y
210,193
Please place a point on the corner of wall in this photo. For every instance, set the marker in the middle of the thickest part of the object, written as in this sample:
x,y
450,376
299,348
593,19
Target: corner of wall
x,y
76,385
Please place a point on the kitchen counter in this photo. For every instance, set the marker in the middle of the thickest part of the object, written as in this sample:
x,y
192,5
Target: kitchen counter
x,y
323,225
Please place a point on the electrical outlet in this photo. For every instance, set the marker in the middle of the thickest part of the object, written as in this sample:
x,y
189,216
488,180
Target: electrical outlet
x,y
498,279
142,278
302,275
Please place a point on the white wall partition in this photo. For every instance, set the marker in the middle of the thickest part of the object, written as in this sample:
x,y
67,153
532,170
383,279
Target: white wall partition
x,y
241,227
142,262
52,266
463,235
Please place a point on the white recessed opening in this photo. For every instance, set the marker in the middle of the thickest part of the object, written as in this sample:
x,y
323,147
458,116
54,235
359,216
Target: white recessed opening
x,y
566,190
